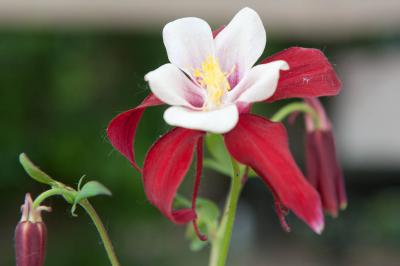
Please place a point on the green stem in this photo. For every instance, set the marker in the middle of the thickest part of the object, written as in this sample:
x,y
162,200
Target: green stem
x,y
296,107
102,231
47,194
93,215
220,246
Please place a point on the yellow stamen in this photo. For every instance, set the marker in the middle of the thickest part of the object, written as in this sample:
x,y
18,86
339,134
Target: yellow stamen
x,y
213,79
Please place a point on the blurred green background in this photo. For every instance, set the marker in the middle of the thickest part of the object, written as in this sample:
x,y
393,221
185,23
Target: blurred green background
x,y
60,87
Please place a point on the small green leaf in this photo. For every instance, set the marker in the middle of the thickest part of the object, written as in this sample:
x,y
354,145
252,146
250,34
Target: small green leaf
x,y
91,189
207,221
207,210
35,172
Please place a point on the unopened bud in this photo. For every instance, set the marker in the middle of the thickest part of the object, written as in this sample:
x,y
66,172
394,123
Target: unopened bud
x,y
30,235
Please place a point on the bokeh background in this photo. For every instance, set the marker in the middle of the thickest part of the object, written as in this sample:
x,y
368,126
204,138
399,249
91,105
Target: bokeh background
x,y
68,67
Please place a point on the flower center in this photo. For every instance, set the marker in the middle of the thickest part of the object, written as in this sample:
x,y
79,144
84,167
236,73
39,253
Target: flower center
x,y
214,80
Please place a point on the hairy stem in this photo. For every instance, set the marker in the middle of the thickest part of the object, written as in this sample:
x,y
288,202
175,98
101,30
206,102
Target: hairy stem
x,y
92,214
102,231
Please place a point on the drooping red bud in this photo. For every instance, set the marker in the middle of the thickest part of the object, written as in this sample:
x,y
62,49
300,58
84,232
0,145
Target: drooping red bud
x,y
323,169
30,235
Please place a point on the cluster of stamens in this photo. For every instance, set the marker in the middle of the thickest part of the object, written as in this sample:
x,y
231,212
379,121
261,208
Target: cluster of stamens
x,y
214,80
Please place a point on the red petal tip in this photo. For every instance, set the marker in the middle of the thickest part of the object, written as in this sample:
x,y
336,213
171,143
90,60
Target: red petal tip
x,y
201,236
318,225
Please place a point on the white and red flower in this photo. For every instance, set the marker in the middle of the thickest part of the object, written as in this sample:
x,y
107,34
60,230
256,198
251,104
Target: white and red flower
x,y
210,84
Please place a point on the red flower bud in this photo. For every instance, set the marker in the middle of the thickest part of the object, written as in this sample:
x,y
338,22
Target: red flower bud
x,y
323,169
30,235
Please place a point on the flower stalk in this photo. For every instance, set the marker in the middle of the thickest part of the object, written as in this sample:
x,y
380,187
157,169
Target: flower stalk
x,y
48,193
102,231
290,108
220,246
74,197
85,204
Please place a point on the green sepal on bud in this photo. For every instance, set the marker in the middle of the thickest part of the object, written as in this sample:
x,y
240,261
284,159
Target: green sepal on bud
x,y
31,235
207,220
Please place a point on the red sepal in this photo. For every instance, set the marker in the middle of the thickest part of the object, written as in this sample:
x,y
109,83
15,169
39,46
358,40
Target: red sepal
x,y
310,74
263,145
122,129
165,167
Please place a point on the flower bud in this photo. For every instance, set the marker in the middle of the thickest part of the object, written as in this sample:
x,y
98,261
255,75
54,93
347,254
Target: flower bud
x,y
30,235
323,169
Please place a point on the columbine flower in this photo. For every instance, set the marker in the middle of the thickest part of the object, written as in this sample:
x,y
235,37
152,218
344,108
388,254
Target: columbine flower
x,y
210,85
323,169
30,235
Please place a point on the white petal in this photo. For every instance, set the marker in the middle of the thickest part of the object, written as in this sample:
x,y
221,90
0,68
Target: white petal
x,y
173,87
216,121
241,42
259,84
189,42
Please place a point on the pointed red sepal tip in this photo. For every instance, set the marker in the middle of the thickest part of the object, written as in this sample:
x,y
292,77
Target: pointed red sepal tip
x,y
30,236
121,130
263,146
318,224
